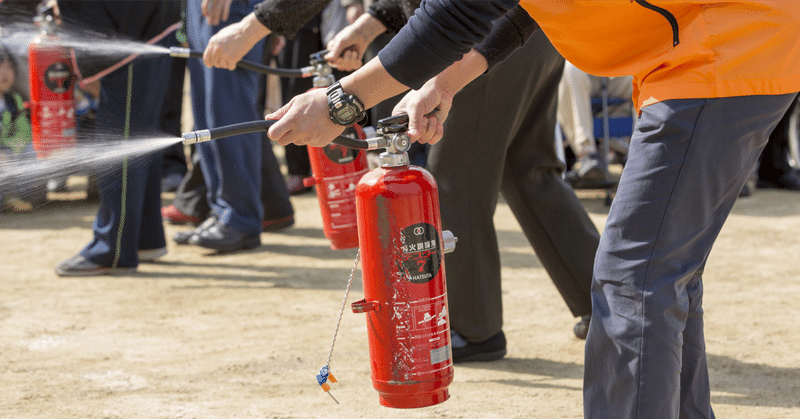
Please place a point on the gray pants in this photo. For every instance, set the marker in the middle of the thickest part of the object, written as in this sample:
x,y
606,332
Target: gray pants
x,y
688,161
499,137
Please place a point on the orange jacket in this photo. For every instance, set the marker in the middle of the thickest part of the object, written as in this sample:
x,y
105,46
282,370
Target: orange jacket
x,y
679,49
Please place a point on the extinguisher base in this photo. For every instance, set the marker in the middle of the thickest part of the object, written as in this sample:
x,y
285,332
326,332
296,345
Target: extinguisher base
x,y
413,401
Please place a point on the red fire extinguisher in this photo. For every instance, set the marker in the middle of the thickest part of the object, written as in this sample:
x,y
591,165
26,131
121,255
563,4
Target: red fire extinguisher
x,y
403,245
402,251
52,79
336,171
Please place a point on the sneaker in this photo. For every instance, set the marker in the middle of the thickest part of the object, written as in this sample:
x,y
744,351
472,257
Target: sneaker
x,y
581,329
491,349
183,237
590,168
277,224
150,255
80,266
173,215
224,238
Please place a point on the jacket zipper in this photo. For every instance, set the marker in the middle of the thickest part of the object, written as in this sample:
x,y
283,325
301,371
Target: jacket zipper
x,y
667,15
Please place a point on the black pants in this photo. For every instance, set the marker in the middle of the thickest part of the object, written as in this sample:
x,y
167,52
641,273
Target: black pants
x,y
499,137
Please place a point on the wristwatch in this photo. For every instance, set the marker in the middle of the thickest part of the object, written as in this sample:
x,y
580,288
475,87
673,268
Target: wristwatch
x,y
344,109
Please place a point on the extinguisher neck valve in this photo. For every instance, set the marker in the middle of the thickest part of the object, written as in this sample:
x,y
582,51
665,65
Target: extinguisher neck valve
x,y
388,159
449,241
319,80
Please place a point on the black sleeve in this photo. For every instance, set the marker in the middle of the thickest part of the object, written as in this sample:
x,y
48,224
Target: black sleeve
x,y
509,33
286,17
393,13
439,34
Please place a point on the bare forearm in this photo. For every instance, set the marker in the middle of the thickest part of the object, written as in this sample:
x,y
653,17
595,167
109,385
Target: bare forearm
x,y
372,84
462,72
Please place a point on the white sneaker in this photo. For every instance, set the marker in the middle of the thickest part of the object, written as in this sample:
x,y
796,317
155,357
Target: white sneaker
x,y
149,255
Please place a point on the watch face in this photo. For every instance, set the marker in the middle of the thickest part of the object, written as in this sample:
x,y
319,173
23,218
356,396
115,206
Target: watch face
x,y
346,114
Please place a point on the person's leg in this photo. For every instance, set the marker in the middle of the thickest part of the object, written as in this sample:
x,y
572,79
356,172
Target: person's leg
x,y
232,168
575,111
274,193
687,163
127,193
468,166
774,170
551,216
295,55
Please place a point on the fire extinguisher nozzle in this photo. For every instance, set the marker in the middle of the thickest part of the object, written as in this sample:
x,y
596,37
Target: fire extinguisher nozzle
x,y
195,137
179,52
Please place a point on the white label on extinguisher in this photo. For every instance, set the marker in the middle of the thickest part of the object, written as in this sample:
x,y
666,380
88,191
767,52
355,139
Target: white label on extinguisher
x,y
341,192
423,337
440,354
57,119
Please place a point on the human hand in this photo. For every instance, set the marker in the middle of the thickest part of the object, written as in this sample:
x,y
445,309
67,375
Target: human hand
x,y
229,45
215,11
347,48
305,120
427,109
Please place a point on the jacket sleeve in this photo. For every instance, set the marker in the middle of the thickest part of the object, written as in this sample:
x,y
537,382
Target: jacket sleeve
x,y
286,17
393,13
439,34
509,33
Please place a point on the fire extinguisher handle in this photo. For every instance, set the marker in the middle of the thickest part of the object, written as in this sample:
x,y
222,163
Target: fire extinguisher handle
x,y
248,65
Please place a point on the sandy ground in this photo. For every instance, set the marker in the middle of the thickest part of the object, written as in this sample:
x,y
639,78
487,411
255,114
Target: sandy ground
x,y
242,335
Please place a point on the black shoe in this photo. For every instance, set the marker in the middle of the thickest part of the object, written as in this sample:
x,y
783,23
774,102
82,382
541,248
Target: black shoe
x,y
787,181
183,237
745,192
581,329
491,349
224,238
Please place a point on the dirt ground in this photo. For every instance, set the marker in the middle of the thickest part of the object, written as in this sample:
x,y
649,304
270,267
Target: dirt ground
x,y
242,335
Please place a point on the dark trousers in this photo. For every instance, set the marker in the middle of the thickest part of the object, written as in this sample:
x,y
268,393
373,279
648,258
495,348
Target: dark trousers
x,y
499,137
688,161
129,217
773,162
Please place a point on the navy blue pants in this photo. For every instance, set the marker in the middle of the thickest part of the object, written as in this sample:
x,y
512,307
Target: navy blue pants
x,y
232,166
688,160
129,216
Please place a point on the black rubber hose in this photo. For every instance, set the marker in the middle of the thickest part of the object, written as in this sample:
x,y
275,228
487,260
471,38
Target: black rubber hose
x,y
260,68
263,125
